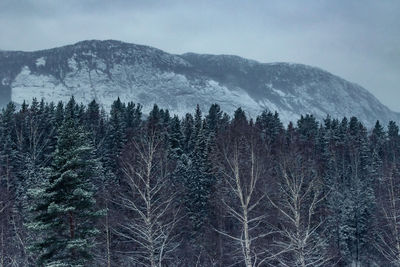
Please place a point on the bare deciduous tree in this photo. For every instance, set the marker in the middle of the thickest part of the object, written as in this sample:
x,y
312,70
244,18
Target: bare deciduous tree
x,y
243,169
154,215
300,195
388,243
7,252
3,207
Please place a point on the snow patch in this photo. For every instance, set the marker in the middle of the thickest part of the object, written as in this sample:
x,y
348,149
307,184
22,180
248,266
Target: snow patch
x,y
276,91
27,85
40,62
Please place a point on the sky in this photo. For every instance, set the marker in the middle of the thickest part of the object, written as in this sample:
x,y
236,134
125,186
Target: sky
x,y
357,40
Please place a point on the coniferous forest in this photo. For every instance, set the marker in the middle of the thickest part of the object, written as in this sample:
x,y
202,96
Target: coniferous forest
x,y
83,187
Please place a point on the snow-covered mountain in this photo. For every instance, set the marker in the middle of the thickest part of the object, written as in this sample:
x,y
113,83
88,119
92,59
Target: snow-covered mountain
x,y
105,70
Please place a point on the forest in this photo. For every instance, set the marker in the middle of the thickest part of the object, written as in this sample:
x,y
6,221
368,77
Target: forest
x,y
80,186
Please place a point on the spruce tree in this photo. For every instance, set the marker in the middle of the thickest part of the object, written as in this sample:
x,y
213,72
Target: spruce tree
x,y
393,142
214,118
270,126
8,146
92,121
199,179
65,209
132,117
199,182
116,136
187,129
175,139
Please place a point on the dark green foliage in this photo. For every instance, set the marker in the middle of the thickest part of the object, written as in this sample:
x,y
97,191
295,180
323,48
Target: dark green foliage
x,y
270,126
65,204
198,180
133,119
187,128
175,138
8,146
116,136
351,202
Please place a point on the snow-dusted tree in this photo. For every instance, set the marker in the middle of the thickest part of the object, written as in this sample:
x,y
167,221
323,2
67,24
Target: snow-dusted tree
x,y
149,204
299,242
11,249
388,243
198,183
6,253
351,204
35,142
116,136
65,212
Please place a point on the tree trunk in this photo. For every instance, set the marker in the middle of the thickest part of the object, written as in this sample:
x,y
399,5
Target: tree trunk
x,y
2,247
108,241
71,226
247,239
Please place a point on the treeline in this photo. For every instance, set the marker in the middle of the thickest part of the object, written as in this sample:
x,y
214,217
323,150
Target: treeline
x,y
80,187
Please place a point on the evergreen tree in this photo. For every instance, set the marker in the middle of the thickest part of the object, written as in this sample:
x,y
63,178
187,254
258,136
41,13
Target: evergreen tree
x,y
199,182
116,136
92,121
393,142
187,129
133,117
65,209
378,140
154,121
214,118
8,149
175,139
270,126
356,217
199,179
59,114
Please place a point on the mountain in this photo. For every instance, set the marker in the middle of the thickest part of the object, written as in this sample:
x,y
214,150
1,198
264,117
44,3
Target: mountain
x,y
105,70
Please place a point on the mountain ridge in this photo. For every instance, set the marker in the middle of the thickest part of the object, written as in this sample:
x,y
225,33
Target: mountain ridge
x,y
105,70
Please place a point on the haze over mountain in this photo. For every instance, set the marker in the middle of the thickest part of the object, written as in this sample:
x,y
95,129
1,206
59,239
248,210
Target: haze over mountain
x,y
105,70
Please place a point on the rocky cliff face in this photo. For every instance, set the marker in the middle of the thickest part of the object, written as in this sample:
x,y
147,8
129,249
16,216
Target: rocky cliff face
x,y
105,70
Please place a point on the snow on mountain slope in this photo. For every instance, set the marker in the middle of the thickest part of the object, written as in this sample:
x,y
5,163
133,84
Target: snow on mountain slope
x,y
105,70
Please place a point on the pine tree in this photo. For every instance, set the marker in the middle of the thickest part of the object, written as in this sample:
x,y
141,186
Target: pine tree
x,y
393,142
175,139
214,118
65,210
132,117
187,129
59,114
116,136
269,126
356,220
199,182
377,140
8,149
92,121
199,179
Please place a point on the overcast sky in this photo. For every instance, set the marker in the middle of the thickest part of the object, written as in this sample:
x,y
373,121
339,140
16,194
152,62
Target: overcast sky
x,y
357,40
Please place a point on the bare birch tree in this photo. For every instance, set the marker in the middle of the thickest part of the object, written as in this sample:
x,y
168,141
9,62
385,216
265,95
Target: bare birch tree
x,y
388,243
298,201
3,206
8,256
243,170
154,216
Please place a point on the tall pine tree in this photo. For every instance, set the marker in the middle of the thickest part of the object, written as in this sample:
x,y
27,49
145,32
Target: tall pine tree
x,y
65,210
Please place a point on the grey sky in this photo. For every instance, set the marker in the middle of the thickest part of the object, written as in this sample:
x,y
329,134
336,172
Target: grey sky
x,y
357,40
